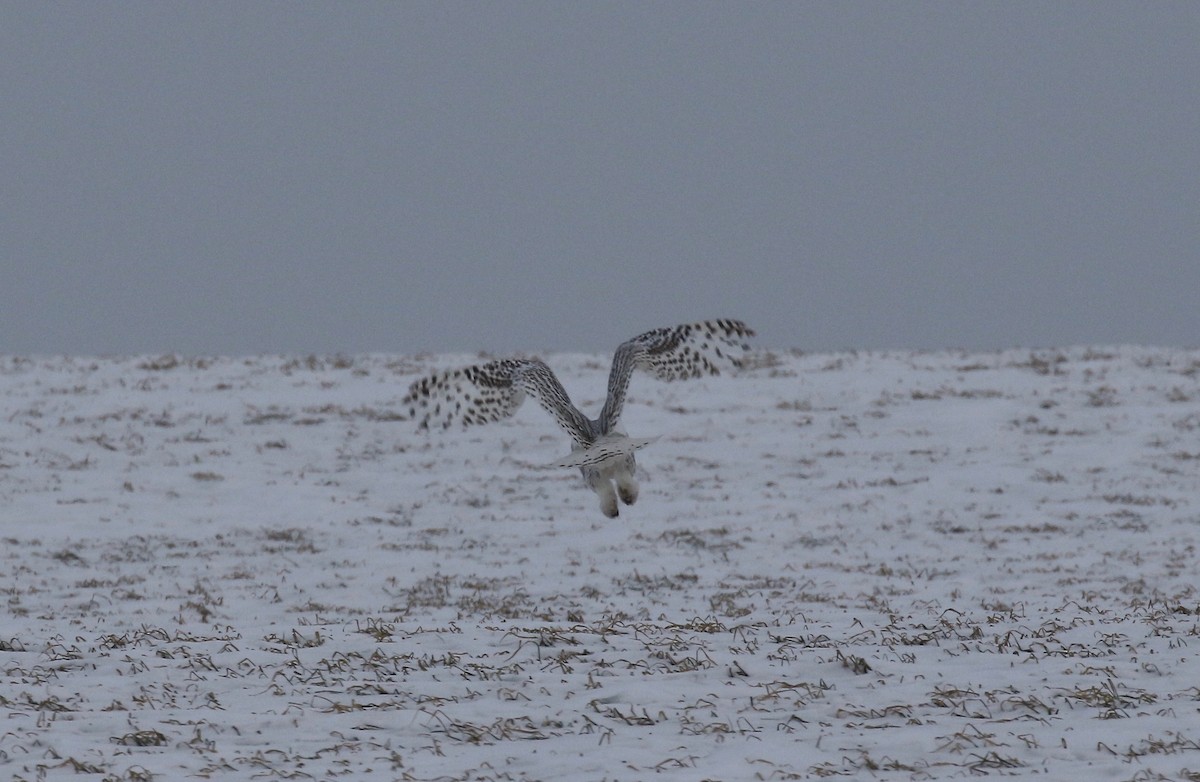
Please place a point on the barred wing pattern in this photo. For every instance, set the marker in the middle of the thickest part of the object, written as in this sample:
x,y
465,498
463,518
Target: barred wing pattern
x,y
676,353
493,391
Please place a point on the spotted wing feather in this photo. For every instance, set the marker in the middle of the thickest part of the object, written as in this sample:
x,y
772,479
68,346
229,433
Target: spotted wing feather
x,y
674,353
691,350
490,392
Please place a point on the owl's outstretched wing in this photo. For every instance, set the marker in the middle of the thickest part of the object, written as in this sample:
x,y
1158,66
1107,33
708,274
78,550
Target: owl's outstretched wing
x,y
492,391
674,353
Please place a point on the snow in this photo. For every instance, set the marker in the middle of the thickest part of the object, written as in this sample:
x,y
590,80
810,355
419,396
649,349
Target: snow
x,y
883,565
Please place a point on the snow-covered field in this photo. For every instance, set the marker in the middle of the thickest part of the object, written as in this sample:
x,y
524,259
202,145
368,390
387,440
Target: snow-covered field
x,y
886,566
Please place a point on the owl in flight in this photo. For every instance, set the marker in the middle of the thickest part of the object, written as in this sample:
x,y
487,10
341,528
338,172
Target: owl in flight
x,y
492,391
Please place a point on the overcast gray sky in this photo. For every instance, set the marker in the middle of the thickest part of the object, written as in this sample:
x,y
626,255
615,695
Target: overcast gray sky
x,y
247,177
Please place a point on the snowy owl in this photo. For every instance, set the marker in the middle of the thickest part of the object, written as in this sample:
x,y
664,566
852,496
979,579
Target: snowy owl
x,y
492,391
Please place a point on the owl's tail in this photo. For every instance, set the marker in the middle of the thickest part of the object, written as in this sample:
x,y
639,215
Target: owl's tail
x,y
609,447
